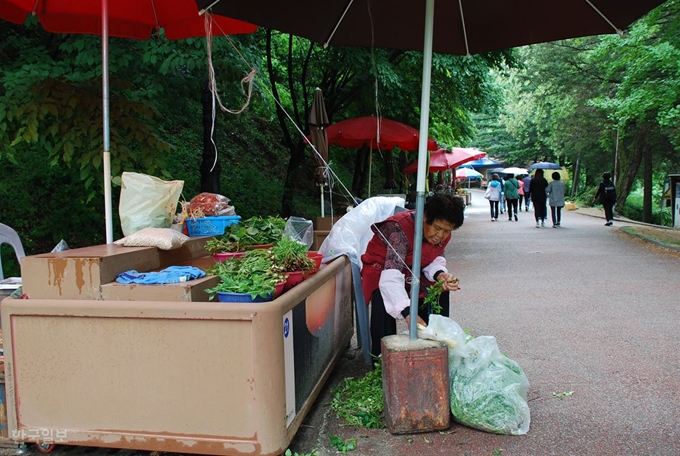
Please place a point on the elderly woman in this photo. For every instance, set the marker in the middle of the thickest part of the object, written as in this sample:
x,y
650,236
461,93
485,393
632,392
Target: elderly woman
x,y
388,260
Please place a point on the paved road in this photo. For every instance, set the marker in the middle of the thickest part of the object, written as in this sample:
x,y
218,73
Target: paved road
x,y
581,308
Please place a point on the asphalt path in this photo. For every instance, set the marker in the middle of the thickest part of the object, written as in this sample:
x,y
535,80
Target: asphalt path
x,y
583,309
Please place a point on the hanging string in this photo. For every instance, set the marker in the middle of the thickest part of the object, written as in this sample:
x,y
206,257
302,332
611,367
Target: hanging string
x,y
212,83
247,79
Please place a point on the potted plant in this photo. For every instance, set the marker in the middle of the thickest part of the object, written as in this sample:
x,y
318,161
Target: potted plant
x,y
249,278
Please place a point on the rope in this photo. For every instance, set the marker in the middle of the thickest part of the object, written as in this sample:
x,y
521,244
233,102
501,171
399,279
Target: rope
x,y
212,82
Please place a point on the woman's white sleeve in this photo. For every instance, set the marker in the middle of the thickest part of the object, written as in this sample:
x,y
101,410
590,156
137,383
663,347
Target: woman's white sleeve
x,y
438,264
393,290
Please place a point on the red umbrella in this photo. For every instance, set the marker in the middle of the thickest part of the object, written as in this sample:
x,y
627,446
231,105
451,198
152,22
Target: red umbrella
x,y
384,135
442,159
125,19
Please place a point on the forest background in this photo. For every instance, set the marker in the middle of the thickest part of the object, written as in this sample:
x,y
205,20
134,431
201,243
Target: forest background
x,y
595,104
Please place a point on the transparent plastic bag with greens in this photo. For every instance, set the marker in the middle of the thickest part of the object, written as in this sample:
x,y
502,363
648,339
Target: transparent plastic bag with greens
x,y
489,390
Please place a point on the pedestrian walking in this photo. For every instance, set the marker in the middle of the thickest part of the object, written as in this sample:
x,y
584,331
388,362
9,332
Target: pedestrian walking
x,y
607,193
520,200
493,194
511,190
527,191
555,191
538,197
501,203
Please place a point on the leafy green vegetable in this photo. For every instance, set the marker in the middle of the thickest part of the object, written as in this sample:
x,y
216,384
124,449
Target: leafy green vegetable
x,y
251,273
434,291
359,401
240,237
291,255
343,445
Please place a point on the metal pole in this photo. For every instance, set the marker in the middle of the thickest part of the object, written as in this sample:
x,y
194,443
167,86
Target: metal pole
x,y
323,214
106,156
422,165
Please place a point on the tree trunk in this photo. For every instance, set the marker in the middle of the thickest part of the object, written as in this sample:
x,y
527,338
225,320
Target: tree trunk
x,y
210,166
647,195
630,171
361,170
576,176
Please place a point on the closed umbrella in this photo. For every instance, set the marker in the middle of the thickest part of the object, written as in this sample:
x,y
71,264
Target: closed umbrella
x,y
462,27
318,121
125,19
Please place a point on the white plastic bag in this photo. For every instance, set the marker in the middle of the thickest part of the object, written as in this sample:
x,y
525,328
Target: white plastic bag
x,y
352,232
300,229
147,201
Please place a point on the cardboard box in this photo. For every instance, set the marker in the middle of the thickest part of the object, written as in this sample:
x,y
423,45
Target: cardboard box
x,y
324,223
81,273
319,237
192,291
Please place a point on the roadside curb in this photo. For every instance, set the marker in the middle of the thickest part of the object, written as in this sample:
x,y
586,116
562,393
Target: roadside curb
x,y
631,232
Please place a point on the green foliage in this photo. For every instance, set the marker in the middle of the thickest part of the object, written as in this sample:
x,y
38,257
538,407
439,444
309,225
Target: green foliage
x,y
291,255
359,401
342,445
434,291
251,273
295,453
633,209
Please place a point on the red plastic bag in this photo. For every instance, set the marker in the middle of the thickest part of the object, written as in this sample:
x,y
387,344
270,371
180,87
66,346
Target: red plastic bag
x,y
205,204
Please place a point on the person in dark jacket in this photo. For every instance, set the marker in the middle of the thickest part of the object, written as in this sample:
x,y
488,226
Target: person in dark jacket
x,y
607,194
387,263
511,191
538,197
527,193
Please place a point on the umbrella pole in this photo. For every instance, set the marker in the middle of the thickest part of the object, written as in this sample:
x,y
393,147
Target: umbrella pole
x,y
106,155
370,169
322,202
422,165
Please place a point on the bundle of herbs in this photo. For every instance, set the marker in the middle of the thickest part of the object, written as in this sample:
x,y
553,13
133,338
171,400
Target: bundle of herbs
x,y
290,255
252,273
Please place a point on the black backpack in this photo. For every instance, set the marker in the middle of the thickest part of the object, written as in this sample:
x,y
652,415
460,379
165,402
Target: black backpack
x,y
609,190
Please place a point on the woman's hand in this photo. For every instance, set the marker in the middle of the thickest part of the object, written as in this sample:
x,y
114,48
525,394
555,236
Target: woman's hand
x,y
420,321
449,282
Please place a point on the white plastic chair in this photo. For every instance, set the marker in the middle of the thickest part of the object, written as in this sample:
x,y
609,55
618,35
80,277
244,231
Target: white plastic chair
x,y
9,236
